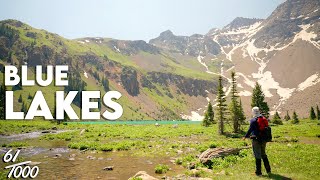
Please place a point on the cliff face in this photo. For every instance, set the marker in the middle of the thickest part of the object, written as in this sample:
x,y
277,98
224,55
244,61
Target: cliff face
x,y
130,81
189,86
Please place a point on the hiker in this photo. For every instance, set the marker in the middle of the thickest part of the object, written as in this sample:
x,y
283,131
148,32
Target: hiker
x,y
256,129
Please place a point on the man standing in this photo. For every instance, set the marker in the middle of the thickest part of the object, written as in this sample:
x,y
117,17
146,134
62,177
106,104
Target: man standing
x,y
255,132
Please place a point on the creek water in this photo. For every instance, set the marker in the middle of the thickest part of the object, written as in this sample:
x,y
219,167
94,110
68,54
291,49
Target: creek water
x,y
56,161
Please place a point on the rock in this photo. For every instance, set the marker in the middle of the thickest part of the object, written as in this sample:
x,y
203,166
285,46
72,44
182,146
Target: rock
x,y
46,131
179,151
205,169
72,155
100,158
82,131
32,163
108,168
149,162
223,172
71,159
191,165
211,153
129,80
175,126
91,157
144,176
58,155
157,124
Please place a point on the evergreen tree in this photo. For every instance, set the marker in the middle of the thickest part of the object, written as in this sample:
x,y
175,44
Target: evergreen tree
x,y
242,116
20,99
295,118
29,96
312,114
287,116
276,118
209,116
234,104
23,107
318,113
206,120
221,107
105,83
258,100
3,101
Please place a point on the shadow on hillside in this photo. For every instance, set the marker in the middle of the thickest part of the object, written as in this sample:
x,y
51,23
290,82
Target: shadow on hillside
x,y
277,177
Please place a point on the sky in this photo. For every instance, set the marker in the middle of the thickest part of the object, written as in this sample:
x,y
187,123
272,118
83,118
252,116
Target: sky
x,y
132,19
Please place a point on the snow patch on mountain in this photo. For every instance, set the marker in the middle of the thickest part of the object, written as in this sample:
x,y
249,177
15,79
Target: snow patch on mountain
x,y
244,93
244,30
193,117
85,74
310,81
267,83
117,49
246,80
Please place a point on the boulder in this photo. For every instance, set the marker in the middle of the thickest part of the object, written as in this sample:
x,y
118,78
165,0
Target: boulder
x,y
108,168
144,176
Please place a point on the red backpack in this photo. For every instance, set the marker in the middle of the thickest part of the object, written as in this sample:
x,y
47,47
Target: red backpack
x,y
264,129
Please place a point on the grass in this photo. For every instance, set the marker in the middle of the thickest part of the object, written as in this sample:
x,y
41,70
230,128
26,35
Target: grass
x,y
161,169
289,154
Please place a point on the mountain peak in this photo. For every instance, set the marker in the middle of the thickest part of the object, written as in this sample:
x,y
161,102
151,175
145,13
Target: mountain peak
x,y
241,22
166,33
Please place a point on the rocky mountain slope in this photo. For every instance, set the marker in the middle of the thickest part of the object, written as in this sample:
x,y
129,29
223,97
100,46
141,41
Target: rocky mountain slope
x,y
174,77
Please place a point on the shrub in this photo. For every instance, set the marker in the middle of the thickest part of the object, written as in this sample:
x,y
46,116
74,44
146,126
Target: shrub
x,y
277,121
161,168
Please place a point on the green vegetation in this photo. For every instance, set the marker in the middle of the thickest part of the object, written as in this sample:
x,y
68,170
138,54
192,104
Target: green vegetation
x,y
208,116
287,116
277,119
318,113
312,114
221,107
295,150
258,100
235,108
161,168
295,119
2,101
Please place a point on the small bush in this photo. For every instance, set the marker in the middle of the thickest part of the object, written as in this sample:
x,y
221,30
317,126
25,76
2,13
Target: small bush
x,y
178,161
277,121
213,145
161,168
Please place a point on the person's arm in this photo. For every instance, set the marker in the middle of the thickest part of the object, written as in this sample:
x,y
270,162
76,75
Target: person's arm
x,y
249,130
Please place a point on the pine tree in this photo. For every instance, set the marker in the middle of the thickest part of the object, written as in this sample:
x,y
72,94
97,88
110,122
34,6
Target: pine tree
x,y
318,113
312,114
276,118
20,99
242,116
221,107
258,100
206,120
3,101
287,116
234,104
23,107
29,96
295,118
209,116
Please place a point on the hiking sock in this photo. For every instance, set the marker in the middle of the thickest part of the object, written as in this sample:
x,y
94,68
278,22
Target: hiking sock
x,y
258,167
267,164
